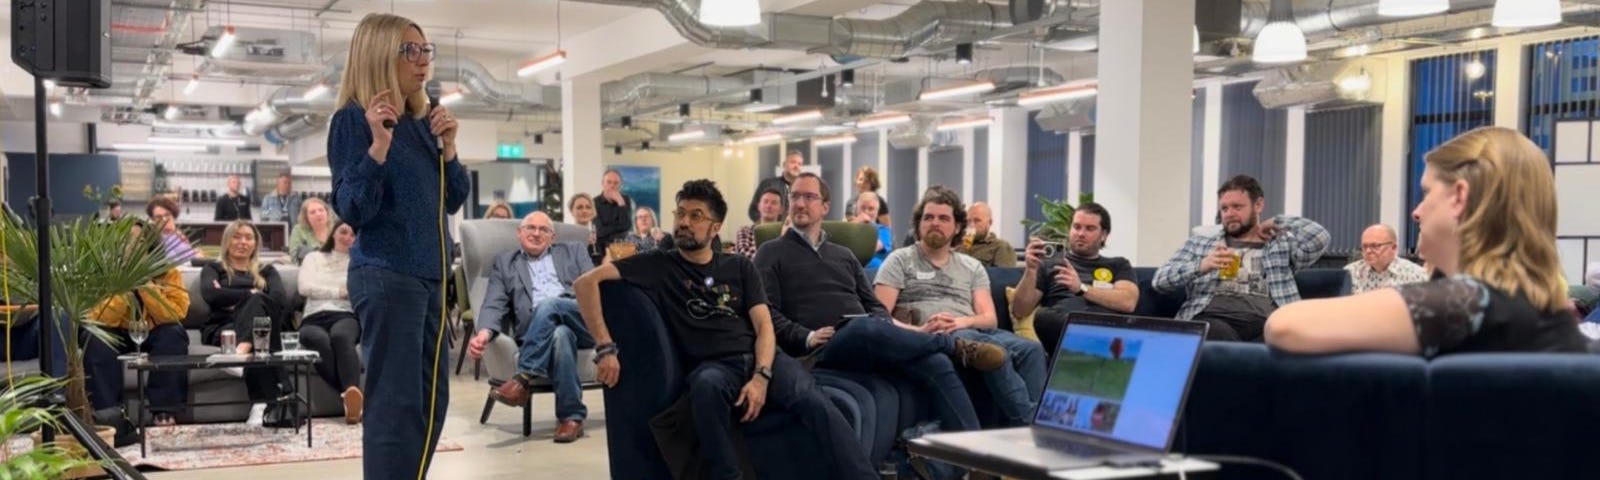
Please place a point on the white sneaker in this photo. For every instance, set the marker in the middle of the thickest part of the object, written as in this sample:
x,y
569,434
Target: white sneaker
x,y
236,372
256,412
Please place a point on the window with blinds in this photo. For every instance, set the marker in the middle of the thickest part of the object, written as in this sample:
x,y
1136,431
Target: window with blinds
x,y
1450,95
1562,83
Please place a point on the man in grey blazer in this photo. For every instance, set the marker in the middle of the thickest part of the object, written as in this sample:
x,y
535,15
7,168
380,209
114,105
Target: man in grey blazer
x,y
530,297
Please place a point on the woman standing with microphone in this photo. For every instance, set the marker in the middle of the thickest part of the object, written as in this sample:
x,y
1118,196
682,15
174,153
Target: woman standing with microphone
x,y
395,176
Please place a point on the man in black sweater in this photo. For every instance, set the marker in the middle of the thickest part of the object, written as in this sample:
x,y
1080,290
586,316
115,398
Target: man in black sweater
x,y
823,305
791,171
613,211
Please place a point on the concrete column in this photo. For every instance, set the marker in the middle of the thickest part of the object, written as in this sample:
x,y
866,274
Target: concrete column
x,y
1211,155
1008,172
1294,163
582,154
1392,168
1074,177
1508,76
1143,129
968,159
922,169
883,172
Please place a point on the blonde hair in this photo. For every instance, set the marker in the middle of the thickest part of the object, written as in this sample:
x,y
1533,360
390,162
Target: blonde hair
x,y
654,220
499,205
1508,231
305,213
255,255
370,68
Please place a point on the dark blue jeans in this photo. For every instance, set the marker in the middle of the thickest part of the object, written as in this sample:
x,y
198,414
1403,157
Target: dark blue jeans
x,y
550,349
166,388
876,345
400,328
715,384
1018,385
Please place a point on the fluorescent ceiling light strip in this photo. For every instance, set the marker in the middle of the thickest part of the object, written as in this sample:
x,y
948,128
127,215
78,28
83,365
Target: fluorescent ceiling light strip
x,y
761,107
965,123
316,91
686,135
958,90
159,147
231,142
797,117
194,84
542,63
224,42
767,137
193,124
835,140
883,120
1056,94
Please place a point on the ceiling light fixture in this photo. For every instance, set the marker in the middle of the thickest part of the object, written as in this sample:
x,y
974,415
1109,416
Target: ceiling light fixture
x,y
1411,8
453,97
1474,69
1057,93
963,53
200,124
757,96
55,108
157,147
194,84
49,86
627,121
844,139
171,112
883,120
683,109
965,123
847,78
316,91
617,150
538,139
644,146
763,137
1281,41
805,116
1526,13
687,135
228,142
1358,83
730,13
957,90
761,107
224,42
540,64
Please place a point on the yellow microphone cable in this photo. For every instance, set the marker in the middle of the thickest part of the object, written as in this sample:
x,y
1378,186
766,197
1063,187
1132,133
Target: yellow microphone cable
x,y
444,281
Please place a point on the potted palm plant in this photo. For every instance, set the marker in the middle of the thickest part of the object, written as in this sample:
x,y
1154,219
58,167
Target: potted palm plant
x,y
1057,223
20,412
91,262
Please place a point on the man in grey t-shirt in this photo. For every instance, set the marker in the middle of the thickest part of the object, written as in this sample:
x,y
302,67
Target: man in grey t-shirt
x,y
930,287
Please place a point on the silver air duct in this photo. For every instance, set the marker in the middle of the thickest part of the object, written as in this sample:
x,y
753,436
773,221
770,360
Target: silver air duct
x,y
657,88
1330,17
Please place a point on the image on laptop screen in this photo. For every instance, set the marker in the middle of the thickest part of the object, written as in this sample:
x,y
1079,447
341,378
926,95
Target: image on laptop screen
x,y
1118,382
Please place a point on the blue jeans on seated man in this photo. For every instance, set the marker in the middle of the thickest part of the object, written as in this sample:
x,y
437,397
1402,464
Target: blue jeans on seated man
x,y
1016,389
550,349
876,345
715,384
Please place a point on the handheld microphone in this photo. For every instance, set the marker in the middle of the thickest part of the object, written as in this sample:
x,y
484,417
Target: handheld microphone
x,y
434,89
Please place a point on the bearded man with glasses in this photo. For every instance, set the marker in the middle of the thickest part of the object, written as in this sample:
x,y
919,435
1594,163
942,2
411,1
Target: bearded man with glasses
x,y
1380,266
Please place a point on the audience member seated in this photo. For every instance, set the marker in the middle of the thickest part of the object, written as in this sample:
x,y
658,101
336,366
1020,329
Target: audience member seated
x,y
646,235
791,169
164,212
329,326
982,244
1380,265
1079,280
1239,275
770,206
530,297
312,229
239,288
932,288
161,306
1488,223
499,210
822,306
866,211
715,306
582,207
867,181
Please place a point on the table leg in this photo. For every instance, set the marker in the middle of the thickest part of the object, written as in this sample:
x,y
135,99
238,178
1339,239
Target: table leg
x,y
305,378
138,422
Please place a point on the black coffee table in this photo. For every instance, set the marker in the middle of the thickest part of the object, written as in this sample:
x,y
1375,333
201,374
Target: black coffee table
x,y
299,364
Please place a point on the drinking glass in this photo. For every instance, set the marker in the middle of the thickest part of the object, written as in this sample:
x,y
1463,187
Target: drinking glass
x,y
138,330
291,341
1231,270
261,334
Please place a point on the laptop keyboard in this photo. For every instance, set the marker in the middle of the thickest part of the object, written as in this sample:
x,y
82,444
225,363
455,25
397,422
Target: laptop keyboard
x,y
1073,448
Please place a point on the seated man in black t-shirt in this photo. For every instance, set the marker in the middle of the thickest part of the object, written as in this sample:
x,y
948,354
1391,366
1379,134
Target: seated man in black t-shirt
x,y
1079,280
716,308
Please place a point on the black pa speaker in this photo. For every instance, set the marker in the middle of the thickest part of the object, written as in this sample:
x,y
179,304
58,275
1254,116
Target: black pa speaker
x,y
68,41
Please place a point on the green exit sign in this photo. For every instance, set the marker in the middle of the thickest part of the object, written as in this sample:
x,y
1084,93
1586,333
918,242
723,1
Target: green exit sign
x,y
511,150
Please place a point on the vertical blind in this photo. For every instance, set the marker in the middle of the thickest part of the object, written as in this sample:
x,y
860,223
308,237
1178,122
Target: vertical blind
x,y
1562,84
1197,161
1253,143
1047,166
1086,176
1343,151
1450,95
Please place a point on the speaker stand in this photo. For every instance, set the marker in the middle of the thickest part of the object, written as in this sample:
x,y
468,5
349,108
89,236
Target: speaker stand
x,y
41,218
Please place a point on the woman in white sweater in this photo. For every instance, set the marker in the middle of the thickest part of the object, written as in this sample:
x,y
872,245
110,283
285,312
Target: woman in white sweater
x,y
330,326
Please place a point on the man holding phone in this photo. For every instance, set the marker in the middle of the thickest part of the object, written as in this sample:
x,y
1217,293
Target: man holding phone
x,y
1075,278
1240,274
823,306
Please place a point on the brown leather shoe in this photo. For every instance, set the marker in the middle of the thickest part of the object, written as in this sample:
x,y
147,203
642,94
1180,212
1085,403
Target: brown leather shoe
x,y
980,356
511,392
569,431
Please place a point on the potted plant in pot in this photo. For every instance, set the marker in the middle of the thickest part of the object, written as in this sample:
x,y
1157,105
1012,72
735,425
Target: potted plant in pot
x,y
91,262
20,412
1057,223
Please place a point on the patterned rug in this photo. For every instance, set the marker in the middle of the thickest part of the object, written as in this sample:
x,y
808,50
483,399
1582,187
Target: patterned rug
x,y
218,445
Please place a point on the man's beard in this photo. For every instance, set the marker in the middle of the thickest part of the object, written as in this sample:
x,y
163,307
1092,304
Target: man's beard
x,y
1244,227
807,218
935,240
685,240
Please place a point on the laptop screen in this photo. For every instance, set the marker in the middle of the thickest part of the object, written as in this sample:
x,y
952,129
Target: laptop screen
x,y
1120,377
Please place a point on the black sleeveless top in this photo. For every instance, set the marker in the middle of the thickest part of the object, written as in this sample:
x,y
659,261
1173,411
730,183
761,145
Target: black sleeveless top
x,y
1462,314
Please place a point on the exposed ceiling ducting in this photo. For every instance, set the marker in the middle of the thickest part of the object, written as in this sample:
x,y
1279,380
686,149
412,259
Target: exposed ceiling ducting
x,y
1067,116
1323,85
262,53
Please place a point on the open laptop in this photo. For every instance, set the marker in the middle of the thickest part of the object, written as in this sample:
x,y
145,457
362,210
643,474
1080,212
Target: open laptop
x,y
1114,395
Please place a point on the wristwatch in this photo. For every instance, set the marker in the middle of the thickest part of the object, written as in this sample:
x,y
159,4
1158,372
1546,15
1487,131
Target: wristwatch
x,y
1083,289
764,372
603,351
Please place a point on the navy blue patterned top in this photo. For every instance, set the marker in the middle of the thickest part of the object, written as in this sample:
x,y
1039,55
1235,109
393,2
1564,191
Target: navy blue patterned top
x,y
393,207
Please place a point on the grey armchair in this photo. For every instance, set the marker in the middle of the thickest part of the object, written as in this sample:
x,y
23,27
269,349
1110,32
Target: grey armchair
x,y
481,240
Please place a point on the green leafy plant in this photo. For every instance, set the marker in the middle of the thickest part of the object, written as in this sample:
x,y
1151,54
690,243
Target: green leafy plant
x,y
20,413
1057,223
91,262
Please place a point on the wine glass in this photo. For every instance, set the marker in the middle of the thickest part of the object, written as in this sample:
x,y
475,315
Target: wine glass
x,y
138,331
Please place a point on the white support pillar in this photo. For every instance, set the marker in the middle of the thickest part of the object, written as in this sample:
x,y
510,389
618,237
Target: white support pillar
x,y
922,169
883,169
1008,171
1508,77
968,159
1074,177
1392,167
1294,163
1211,155
1146,76
582,154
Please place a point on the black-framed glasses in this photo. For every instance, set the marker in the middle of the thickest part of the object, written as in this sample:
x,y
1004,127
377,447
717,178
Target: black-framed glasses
x,y
693,216
414,52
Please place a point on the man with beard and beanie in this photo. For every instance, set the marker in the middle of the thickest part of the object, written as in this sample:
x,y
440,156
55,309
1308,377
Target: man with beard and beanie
x,y
813,285
714,305
1080,280
1238,275
932,288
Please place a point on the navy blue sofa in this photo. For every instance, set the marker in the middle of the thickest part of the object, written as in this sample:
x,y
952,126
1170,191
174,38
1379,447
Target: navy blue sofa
x,y
653,375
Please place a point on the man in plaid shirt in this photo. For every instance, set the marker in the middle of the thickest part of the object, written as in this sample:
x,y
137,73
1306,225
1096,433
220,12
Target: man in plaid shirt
x,y
1269,253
